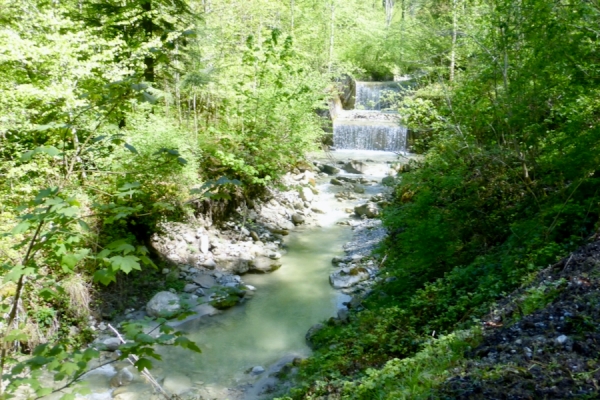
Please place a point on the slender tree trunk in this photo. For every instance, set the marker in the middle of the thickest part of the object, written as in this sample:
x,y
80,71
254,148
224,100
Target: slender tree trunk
x,y
195,120
454,33
389,12
292,16
331,35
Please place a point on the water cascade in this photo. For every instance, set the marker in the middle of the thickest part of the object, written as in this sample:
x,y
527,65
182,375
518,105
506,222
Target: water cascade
x,y
373,124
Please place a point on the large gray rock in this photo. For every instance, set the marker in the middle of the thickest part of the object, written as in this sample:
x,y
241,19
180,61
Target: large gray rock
x,y
298,219
371,210
163,305
205,281
354,167
306,194
347,277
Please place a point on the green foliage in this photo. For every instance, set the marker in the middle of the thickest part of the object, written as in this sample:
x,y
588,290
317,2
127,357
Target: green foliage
x,y
508,185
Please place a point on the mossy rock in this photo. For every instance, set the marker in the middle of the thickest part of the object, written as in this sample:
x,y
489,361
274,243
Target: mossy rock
x,y
227,297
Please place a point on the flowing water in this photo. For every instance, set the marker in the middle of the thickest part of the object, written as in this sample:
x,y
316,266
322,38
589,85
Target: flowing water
x,y
373,124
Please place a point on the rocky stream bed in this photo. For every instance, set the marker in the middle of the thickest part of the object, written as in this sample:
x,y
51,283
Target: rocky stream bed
x,y
214,262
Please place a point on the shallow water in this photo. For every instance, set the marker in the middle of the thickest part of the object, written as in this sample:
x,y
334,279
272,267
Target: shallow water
x,y
274,322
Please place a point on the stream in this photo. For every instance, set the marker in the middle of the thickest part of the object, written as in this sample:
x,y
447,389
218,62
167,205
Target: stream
x,y
269,329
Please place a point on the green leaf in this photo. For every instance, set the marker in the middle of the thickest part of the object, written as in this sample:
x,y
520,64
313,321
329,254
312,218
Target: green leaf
x,y
69,368
144,338
47,294
143,363
131,148
182,161
43,391
16,272
69,261
125,264
147,97
69,211
68,396
22,227
15,335
186,343
104,276
27,155
84,225
121,246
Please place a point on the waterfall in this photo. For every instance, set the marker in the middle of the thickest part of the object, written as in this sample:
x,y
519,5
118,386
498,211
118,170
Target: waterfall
x,y
376,95
371,125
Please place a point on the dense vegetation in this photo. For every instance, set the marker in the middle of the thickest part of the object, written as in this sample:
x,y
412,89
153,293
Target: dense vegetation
x,y
116,115
509,184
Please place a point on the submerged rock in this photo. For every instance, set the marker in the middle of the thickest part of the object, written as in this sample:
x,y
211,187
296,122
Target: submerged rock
x,y
346,277
354,167
370,210
263,265
177,384
123,378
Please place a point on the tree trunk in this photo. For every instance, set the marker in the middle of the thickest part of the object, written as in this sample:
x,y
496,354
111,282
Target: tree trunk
x,y
454,28
149,31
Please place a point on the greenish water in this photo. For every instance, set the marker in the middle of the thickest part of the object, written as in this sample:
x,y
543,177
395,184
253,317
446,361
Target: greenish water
x,y
274,322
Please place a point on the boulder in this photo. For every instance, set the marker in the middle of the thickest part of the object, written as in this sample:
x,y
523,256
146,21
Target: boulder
x,y
358,188
163,305
298,219
257,370
209,263
346,278
109,344
263,265
329,169
336,182
205,281
354,167
227,297
370,210
306,194
123,378
190,288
